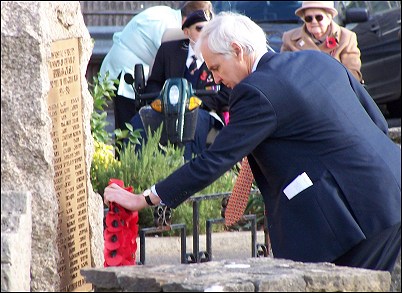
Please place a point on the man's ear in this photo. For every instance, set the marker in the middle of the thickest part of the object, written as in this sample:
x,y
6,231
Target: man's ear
x,y
237,49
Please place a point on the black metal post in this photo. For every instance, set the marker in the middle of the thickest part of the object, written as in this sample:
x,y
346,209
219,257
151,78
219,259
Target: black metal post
x,y
196,230
144,231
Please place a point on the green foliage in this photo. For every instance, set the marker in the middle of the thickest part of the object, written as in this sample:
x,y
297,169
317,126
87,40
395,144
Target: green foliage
x,y
138,169
133,136
143,168
255,206
151,164
102,91
104,166
208,209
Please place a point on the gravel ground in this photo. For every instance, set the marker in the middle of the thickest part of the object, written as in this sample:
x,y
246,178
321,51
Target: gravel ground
x,y
225,245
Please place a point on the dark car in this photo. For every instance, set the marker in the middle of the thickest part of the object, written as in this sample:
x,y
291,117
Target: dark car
x,y
377,25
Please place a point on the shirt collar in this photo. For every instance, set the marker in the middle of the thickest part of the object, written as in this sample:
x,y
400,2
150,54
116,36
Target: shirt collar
x,y
191,52
257,60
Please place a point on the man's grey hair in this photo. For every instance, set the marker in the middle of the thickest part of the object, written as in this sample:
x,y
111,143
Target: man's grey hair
x,y
229,27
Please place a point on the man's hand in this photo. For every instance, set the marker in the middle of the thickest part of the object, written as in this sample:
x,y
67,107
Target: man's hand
x,y
126,199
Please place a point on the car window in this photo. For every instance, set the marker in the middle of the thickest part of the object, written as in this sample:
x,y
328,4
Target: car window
x,y
261,11
380,6
353,4
376,6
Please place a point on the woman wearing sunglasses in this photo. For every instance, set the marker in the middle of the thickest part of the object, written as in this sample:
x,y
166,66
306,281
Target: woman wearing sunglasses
x,y
320,32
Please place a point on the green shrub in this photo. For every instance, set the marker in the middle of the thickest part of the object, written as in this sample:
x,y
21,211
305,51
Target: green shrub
x,y
148,166
208,208
102,90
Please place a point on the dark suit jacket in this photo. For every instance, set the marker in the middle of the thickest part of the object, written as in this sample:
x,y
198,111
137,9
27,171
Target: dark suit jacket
x,y
302,112
170,61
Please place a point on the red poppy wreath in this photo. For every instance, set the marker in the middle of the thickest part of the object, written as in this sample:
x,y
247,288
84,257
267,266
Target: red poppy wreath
x,y
120,233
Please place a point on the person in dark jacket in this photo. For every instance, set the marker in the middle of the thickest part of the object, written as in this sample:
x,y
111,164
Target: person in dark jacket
x,y
317,145
175,59
138,42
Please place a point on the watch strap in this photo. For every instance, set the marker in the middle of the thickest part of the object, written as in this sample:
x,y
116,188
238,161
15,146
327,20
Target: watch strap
x,y
147,198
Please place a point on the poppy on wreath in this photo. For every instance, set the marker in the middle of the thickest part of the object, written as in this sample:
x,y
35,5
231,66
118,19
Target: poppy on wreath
x,y
120,233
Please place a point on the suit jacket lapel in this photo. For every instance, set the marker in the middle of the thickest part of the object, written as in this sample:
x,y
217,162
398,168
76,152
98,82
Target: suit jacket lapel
x,y
179,62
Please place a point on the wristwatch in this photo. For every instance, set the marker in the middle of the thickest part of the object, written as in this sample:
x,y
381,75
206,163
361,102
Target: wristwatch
x,y
146,194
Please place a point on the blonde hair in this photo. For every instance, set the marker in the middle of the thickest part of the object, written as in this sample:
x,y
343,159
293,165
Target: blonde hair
x,y
191,6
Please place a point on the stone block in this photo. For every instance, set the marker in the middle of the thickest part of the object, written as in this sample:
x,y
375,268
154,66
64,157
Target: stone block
x,y
29,31
248,275
16,235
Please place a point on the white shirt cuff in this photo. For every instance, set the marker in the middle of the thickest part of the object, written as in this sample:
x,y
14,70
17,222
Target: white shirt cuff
x,y
153,189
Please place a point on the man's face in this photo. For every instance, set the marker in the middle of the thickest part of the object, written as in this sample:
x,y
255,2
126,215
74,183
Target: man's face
x,y
228,70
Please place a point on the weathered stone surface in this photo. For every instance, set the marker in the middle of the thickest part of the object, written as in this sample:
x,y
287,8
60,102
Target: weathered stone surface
x,y
396,276
28,29
395,134
16,233
249,275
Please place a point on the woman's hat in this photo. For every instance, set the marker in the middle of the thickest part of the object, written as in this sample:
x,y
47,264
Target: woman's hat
x,y
197,16
326,5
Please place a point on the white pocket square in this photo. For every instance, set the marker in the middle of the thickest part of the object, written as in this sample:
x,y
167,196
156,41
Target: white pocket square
x,y
299,184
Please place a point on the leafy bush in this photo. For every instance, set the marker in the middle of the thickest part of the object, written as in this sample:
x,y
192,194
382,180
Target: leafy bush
x,y
102,91
147,166
104,166
152,163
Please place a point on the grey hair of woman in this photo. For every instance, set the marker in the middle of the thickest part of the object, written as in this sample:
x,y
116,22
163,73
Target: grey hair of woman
x,y
229,27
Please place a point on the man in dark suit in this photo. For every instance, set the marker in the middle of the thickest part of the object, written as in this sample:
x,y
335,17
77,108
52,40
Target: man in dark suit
x,y
175,59
317,145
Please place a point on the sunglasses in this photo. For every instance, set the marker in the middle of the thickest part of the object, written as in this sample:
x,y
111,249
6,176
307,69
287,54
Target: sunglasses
x,y
198,28
309,18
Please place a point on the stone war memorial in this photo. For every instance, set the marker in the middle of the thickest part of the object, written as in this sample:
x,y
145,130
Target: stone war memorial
x,y
51,220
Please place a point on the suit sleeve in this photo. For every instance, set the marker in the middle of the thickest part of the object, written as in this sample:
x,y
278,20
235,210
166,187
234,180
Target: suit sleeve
x,y
368,104
253,119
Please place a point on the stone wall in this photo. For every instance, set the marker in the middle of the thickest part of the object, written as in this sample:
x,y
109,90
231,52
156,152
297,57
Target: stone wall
x,y
248,275
28,32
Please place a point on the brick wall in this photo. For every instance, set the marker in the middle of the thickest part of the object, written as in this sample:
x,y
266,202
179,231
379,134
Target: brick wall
x,y
117,13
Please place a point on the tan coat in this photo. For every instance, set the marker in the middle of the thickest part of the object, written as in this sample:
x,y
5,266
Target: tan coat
x,y
346,51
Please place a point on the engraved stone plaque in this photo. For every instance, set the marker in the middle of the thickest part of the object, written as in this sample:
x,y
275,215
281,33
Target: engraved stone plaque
x,y
65,110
